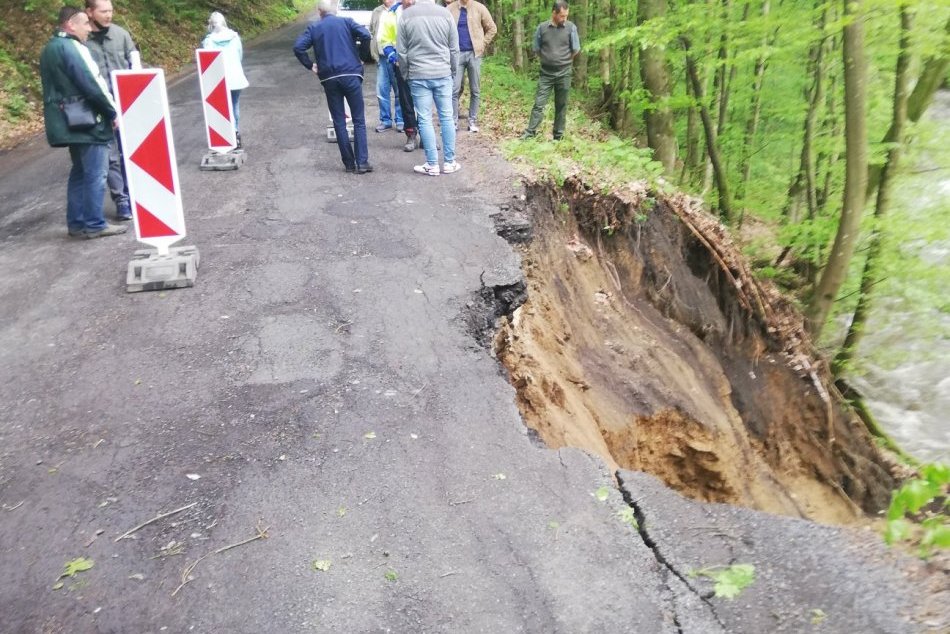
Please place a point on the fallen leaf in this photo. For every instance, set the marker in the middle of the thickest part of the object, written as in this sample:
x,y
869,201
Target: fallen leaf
x,y
369,435
601,494
58,585
499,476
77,565
323,565
192,476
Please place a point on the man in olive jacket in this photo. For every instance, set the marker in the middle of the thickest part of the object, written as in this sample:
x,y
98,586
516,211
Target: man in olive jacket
x,y
68,72
476,31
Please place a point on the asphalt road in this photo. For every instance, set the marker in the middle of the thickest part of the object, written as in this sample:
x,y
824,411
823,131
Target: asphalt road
x,y
320,381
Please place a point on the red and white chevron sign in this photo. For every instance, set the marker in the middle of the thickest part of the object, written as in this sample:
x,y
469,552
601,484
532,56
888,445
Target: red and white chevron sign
x,y
150,165
216,99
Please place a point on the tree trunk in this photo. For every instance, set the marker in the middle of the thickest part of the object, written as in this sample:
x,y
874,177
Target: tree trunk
x,y
752,124
691,162
856,168
898,119
804,187
932,75
655,74
722,184
518,43
580,16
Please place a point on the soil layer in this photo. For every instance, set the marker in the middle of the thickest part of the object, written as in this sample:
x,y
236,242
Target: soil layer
x,y
646,340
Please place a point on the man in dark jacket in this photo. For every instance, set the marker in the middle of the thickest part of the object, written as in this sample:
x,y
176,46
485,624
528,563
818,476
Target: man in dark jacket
x,y
112,48
335,42
556,43
68,73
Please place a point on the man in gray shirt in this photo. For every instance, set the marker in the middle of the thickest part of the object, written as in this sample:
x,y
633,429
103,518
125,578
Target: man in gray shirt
x,y
428,47
111,47
556,43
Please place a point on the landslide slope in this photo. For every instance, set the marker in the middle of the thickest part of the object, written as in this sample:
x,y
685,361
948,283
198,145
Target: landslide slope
x,y
646,340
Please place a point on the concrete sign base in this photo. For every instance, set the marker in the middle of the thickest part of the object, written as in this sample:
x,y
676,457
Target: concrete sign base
x,y
217,162
149,271
331,133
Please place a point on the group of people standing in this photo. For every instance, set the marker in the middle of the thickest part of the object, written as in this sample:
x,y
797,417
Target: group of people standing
x,y
74,66
423,53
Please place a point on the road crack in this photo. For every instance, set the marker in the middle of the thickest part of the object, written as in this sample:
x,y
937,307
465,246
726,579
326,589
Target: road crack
x,y
663,561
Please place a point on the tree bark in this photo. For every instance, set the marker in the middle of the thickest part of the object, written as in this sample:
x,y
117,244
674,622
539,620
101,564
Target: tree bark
x,y
580,16
655,73
712,148
898,120
752,123
932,75
518,43
856,168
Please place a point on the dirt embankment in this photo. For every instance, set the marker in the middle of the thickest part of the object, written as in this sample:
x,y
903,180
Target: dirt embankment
x,y
646,340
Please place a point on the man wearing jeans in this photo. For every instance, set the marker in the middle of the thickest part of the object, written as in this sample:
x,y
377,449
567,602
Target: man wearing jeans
x,y
333,40
111,47
557,44
428,48
69,74
476,31
389,113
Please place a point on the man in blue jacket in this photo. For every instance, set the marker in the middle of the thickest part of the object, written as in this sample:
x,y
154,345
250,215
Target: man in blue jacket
x,y
335,43
68,73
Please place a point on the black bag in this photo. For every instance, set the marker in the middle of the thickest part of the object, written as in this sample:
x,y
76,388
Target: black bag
x,y
79,114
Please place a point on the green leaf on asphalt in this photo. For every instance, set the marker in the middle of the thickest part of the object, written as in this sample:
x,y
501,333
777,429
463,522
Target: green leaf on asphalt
x,y
75,566
58,585
499,476
370,435
817,616
627,516
391,575
602,494
323,565
730,581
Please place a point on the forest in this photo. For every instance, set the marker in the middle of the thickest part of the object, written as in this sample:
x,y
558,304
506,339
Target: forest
x,y
796,115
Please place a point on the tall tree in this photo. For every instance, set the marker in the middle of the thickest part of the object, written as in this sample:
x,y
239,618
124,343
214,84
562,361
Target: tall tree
x,y
712,146
655,74
518,42
898,121
752,122
856,167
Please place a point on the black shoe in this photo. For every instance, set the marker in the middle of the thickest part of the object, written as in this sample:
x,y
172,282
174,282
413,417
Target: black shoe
x,y
558,137
351,169
526,135
412,142
364,168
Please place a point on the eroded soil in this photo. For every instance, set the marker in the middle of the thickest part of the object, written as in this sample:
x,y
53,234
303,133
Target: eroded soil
x,y
645,340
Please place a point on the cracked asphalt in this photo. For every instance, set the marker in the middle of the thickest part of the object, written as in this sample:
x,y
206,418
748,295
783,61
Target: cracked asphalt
x,y
322,381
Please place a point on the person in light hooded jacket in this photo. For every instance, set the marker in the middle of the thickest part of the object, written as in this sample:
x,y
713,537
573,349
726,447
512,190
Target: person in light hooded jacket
x,y
221,38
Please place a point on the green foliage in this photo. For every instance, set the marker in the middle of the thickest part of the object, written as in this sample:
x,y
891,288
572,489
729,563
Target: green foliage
x,y
322,565
628,517
391,576
729,581
919,510
77,565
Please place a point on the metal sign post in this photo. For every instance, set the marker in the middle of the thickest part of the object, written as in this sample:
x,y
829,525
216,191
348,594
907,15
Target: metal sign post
x,y
152,177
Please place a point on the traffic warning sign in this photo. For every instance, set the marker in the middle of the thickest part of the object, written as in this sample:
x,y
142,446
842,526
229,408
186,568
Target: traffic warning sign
x,y
216,100
150,164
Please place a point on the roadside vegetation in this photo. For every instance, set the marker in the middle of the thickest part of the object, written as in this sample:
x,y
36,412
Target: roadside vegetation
x,y
828,173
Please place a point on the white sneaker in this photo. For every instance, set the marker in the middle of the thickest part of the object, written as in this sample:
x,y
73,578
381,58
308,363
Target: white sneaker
x,y
428,170
472,127
451,167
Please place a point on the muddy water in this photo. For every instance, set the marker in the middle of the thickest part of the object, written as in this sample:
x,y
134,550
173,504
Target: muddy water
x,y
911,398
